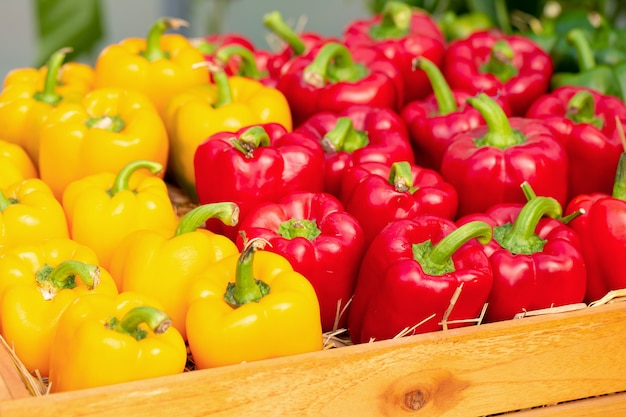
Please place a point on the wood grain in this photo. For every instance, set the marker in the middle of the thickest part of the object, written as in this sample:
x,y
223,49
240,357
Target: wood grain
x,y
479,370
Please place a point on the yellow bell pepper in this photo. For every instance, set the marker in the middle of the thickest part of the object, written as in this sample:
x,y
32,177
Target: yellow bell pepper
x,y
164,267
159,66
228,104
103,340
38,283
103,209
15,164
107,130
250,307
29,95
29,213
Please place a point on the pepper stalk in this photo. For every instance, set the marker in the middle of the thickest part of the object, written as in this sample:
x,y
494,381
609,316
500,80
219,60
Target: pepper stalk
x,y
344,137
333,63
156,320
436,259
500,134
123,177
51,280
153,50
49,95
246,288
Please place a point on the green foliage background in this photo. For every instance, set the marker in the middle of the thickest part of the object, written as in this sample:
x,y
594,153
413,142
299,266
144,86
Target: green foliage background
x,y
79,23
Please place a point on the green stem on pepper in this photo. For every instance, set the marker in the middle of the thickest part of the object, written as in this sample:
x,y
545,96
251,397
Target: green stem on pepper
x,y
251,139
248,67
500,62
49,95
275,22
395,21
500,134
344,137
246,289
578,39
156,320
293,228
226,212
443,93
333,63
401,177
51,280
153,50
123,177
581,108
436,259
520,237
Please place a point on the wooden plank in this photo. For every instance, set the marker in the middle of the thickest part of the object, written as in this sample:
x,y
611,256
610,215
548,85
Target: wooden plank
x,y
480,370
613,405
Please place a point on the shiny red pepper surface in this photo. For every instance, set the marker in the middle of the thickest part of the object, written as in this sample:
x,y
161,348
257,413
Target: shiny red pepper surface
x,y
602,231
411,273
359,134
584,121
335,77
402,33
256,164
321,241
377,194
434,121
536,259
494,63
488,164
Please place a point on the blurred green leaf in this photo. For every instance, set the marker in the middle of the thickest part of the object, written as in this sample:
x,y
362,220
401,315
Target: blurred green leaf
x,y
67,23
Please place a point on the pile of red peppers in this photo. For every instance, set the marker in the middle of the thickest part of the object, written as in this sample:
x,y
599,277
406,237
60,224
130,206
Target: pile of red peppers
x,y
428,182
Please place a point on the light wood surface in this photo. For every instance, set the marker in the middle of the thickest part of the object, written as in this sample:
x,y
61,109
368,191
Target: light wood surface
x,y
479,370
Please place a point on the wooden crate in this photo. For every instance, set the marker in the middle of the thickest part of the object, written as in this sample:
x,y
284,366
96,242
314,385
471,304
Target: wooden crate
x,y
565,364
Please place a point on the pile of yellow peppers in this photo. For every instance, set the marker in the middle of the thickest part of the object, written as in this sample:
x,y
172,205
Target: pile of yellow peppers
x,y
101,279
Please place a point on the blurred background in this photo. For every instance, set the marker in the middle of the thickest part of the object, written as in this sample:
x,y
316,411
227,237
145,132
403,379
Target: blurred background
x,y
30,30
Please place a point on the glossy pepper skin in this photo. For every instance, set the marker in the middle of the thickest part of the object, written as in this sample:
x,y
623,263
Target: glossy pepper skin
x,y
402,33
410,274
29,95
163,267
102,209
487,164
433,122
257,164
497,64
335,77
15,164
399,191
129,334
536,259
604,78
601,228
168,61
321,241
39,282
250,307
107,130
296,44
358,134
29,213
227,105
584,121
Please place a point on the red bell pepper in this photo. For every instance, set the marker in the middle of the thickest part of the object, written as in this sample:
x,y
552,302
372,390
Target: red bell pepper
x,y
336,77
402,33
412,272
602,232
256,164
358,134
536,258
321,241
434,121
296,44
495,63
488,164
399,191
583,120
